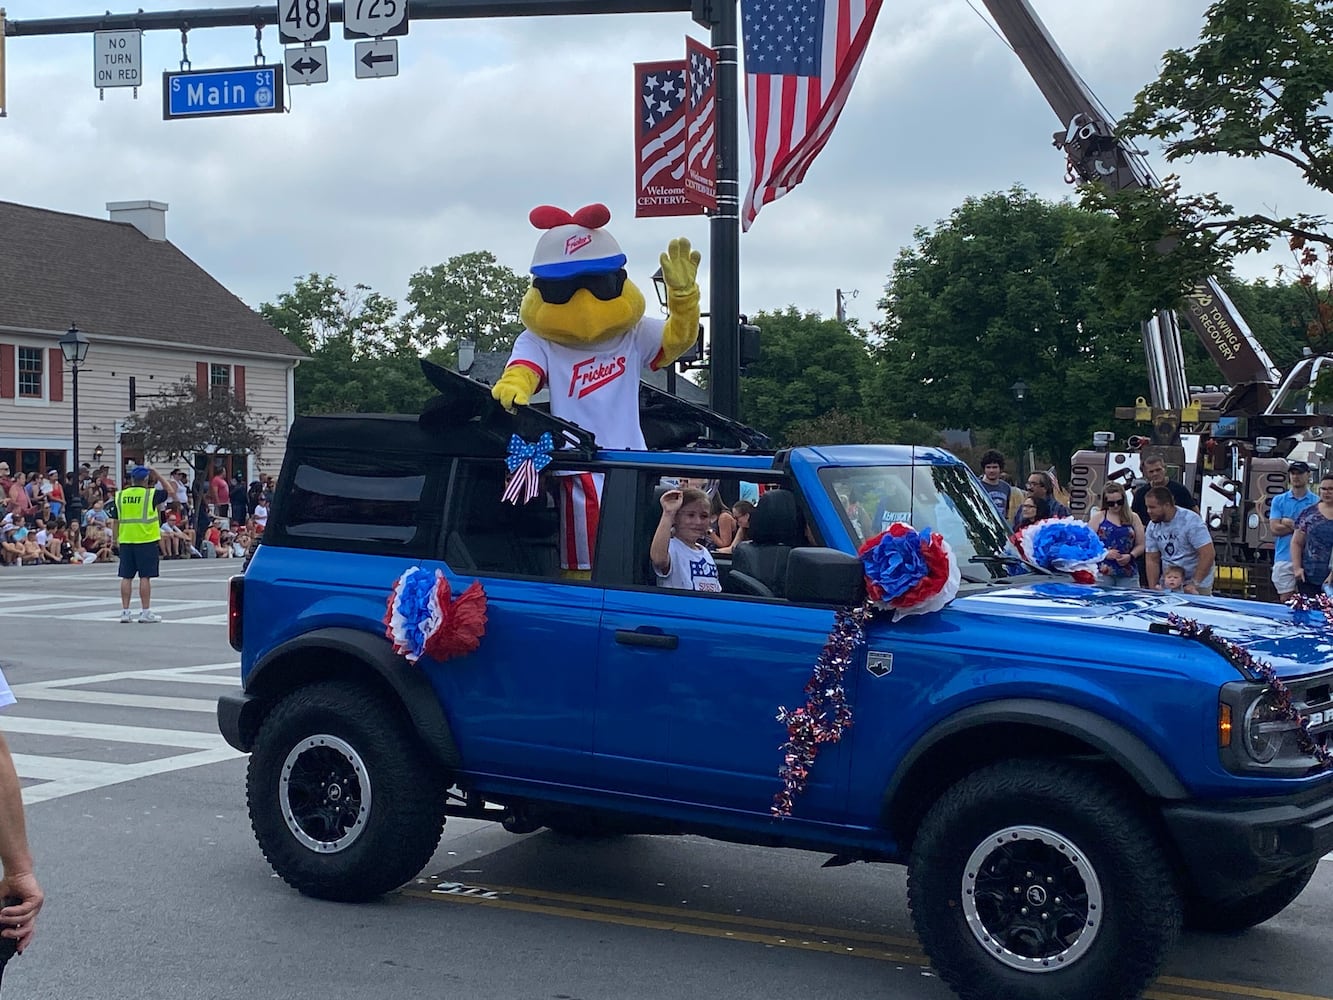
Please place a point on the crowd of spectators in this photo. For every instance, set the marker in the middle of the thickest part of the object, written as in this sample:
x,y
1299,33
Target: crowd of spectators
x,y
48,519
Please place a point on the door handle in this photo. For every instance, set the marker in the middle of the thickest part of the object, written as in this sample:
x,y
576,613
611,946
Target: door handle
x,y
657,640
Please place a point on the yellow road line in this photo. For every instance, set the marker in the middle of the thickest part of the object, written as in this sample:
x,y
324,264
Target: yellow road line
x,y
1232,989
773,940
883,948
717,918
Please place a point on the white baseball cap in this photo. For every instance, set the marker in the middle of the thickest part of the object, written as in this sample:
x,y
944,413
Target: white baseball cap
x,y
574,244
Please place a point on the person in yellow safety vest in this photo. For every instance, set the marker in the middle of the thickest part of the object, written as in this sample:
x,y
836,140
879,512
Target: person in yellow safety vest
x,y
137,527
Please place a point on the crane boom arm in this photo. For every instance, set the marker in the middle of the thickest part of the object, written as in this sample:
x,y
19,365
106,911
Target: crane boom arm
x,y
1095,154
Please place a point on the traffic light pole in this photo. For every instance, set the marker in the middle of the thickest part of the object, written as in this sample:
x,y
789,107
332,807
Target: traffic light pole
x,y
720,15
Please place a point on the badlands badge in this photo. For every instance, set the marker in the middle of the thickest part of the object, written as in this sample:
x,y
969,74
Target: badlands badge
x,y
879,664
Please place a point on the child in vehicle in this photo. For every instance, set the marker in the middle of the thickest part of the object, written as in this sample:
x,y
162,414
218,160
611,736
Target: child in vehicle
x,y
1173,578
679,557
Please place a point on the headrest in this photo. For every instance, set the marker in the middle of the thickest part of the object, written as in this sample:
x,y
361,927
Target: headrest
x,y
776,520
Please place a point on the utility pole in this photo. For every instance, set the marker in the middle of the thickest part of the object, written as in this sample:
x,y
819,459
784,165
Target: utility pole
x,y
724,377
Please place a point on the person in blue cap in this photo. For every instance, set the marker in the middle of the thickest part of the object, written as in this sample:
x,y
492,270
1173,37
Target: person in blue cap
x,y
138,528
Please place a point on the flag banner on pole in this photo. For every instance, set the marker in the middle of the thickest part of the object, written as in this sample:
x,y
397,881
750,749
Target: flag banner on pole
x,y
800,62
700,126
659,161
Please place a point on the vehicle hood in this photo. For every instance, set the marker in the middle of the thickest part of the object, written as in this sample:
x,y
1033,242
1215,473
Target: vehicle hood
x,y
1293,642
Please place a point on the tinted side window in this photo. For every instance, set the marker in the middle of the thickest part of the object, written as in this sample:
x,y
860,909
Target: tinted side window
x,y
348,503
484,534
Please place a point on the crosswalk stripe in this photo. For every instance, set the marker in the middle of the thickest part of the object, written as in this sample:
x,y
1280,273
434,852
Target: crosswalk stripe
x,y
162,703
111,733
100,777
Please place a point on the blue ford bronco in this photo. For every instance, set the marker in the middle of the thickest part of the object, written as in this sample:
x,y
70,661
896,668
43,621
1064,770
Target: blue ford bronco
x,y
1067,775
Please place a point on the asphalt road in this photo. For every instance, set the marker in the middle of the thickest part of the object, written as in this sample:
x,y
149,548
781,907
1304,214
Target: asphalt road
x,y
156,888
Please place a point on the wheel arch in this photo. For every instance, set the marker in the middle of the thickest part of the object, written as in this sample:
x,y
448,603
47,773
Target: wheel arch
x,y
982,734
345,653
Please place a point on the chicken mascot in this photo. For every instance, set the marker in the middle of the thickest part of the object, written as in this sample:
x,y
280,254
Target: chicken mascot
x,y
585,335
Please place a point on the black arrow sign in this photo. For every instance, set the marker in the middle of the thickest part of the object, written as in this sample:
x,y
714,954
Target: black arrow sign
x,y
370,59
306,66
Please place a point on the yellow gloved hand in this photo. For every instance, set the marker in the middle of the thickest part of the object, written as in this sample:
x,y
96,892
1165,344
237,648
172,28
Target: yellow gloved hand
x,y
680,265
516,386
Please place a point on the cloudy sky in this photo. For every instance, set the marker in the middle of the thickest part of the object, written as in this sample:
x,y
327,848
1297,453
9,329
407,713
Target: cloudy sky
x,y
372,179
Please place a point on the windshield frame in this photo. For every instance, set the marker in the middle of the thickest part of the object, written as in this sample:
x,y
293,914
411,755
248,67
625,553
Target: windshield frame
x,y
968,520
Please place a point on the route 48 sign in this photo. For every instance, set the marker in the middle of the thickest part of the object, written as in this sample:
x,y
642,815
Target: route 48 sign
x,y
374,18
303,21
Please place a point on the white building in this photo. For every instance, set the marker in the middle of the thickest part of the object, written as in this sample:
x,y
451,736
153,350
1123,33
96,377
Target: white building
x,y
151,315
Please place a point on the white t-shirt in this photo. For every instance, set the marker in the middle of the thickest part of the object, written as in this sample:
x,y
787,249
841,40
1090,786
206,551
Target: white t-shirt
x,y
596,386
6,696
1179,540
261,514
691,569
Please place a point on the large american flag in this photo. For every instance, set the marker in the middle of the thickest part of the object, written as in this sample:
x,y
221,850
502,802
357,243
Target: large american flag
x,y
660,144
701,120
801,57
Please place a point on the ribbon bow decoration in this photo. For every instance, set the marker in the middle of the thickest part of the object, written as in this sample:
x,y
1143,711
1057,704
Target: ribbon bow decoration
x,y
525,460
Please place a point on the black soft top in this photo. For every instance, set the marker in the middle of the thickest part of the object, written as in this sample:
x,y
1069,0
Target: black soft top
x,y
465,421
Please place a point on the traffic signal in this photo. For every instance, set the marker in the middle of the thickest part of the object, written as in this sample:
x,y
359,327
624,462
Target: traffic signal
x,y
750,347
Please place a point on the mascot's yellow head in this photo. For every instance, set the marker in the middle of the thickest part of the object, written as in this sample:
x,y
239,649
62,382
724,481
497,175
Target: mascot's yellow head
x,y
580,293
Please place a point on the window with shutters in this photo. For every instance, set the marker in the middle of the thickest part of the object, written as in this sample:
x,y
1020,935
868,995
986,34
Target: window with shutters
x,y
30,368
219,378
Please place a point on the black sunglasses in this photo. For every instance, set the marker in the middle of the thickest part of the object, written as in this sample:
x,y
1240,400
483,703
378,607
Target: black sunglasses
x,y
605,286
1115,503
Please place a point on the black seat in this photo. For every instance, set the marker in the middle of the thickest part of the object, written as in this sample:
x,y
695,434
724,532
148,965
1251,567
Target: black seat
x,y
759,564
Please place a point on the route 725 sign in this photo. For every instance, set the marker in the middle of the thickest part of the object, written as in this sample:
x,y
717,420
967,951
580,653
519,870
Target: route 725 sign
x,y
374,18
303,21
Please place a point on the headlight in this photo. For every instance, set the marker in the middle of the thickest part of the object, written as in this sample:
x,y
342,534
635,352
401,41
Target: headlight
x,y
1262,742
1267,734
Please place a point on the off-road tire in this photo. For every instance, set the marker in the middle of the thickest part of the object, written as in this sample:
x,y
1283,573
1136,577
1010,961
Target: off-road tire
x,y
1248,911
403,820
1097,829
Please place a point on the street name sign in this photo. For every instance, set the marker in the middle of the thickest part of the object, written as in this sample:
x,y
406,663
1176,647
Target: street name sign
x,y
222,93
377,58
303,21
118,58
374,18
307,64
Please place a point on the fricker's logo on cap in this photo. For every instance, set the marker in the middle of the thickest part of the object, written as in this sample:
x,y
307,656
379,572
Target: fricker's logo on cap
x,y
576,243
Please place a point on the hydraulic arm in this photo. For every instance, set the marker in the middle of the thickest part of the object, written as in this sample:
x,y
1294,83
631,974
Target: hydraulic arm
x,y
1095,154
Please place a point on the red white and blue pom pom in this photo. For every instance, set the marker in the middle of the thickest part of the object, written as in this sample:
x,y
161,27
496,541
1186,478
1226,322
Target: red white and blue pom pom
x,y
912,572
422,617
1063,544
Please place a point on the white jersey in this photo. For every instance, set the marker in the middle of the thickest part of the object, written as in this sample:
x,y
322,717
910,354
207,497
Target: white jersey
x,y
691,569
596,385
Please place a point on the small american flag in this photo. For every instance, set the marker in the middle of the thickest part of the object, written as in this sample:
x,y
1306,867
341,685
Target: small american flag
x,y
801,57
660,139
701,119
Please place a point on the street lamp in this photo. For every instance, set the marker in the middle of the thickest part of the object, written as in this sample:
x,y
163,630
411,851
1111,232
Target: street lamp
x,y
1020,391
73,346
660,287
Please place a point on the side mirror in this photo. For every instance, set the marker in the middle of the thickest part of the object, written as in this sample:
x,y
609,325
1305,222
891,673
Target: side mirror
x,y
825,576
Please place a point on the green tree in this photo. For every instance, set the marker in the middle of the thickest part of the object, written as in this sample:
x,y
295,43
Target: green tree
x,y
184,423
362,356
1256,86
994,295
808,366
470,296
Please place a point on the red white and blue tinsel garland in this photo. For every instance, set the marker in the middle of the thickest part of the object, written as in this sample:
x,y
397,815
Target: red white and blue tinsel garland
x,y
825,714
1064,544
423,618
1263,671
908,572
